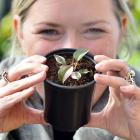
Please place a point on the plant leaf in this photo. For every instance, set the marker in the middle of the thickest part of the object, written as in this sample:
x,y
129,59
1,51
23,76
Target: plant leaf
x,y
64,72
59,59
78,54
76,75
83,71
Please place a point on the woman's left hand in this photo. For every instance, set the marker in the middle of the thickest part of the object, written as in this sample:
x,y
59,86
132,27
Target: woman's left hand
x,y
121,116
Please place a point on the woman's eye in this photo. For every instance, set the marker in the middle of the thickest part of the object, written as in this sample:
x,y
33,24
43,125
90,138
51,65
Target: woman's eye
x,y
95,30
50,34
93,33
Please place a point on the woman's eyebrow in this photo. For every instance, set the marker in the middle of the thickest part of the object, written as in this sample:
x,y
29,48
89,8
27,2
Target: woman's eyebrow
x,y
96,22
47,24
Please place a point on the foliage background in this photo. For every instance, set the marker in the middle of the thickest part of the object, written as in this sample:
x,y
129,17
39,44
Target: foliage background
x,y
134,59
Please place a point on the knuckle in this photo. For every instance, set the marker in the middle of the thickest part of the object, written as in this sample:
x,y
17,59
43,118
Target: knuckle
x,y
43,76
20,96
133,88
45,67
14,72
44,73
123,63
36,57
133,113
14,86
6,98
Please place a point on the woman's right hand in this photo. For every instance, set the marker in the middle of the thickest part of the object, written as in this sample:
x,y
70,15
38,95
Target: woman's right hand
x,y
13,111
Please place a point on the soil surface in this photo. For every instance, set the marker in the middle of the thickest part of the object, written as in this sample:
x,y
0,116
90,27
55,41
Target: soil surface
x,y
83,64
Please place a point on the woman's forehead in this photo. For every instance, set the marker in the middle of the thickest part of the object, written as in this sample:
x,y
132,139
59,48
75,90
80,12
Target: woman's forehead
x,y
67,10
72,5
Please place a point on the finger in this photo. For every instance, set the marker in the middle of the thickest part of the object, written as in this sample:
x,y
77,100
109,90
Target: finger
x,y
25,69
3,83
96,120
111,81
22,84
17,72
99,58
113,65
9,101
130,91
35,58
34,116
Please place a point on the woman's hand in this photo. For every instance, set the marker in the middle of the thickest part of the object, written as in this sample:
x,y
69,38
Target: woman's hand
x,y
121,116
13,111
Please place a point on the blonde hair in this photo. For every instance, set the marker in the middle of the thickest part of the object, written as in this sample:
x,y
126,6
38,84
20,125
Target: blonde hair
x,y
21,8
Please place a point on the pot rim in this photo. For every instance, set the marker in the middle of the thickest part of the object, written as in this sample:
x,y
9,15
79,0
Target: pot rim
x,y
88,55
70,87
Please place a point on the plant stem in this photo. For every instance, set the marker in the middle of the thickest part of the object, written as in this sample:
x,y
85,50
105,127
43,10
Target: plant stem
x,y
75,65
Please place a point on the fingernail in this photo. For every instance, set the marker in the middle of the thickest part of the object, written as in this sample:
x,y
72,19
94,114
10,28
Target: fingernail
x,y
95,57
43,60
97,75
97,66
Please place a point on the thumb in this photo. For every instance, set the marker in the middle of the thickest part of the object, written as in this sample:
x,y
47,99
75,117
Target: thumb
x,y
96,120
34,116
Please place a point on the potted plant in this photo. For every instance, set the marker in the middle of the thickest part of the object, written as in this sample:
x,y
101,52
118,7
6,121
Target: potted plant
x,y
69,88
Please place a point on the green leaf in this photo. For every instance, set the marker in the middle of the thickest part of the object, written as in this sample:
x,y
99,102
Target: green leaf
x,y
76,75
65,72
60,59
83,71
78,54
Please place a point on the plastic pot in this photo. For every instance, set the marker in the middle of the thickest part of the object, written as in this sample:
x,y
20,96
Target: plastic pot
x,y
67,107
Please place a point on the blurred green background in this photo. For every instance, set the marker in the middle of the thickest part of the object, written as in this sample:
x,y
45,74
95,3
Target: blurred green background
x,y
5,33
134,60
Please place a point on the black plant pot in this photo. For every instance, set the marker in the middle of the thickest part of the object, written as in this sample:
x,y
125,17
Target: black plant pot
x,y
67,108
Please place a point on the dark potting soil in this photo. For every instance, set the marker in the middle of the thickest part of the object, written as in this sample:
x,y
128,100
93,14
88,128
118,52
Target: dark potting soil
x,y
52,73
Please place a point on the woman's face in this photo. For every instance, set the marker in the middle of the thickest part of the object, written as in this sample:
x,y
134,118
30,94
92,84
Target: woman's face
x,y
53,24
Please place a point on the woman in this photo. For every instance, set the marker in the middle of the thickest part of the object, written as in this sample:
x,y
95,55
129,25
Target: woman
x,y
44,25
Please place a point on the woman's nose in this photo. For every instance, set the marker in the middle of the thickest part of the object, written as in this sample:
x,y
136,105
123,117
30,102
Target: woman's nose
x,y
71,42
